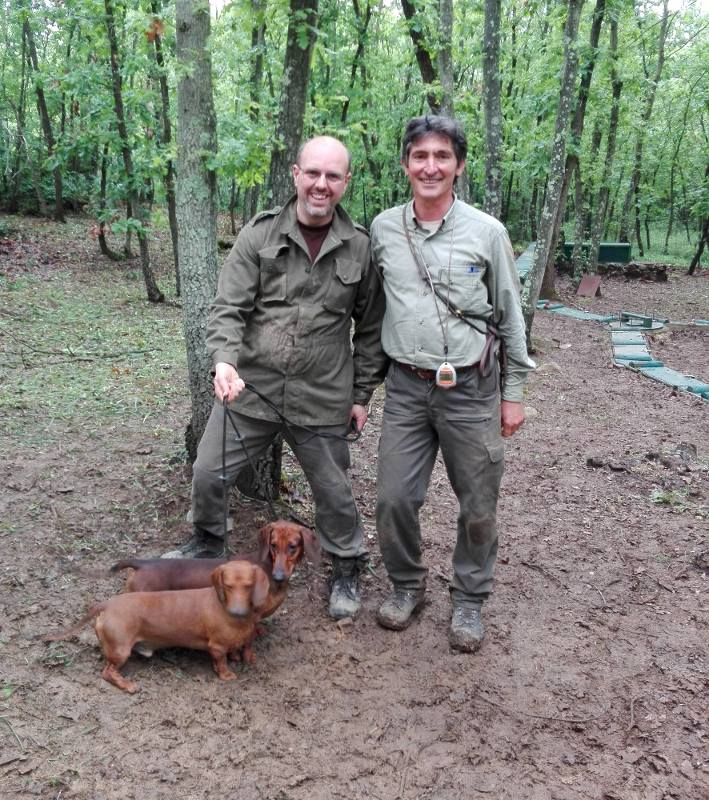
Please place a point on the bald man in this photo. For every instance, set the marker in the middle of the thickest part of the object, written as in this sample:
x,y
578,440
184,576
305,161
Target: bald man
x,y
294,282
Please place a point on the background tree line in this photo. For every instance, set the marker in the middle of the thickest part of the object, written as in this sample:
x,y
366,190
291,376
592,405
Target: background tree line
x,y
585,116
87,104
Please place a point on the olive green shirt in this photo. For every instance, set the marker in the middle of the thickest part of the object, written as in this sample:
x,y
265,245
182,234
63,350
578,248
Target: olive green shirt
x,y
286,323
470,259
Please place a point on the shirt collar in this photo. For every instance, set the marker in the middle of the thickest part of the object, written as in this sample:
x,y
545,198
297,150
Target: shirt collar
x,y
341,226
412,222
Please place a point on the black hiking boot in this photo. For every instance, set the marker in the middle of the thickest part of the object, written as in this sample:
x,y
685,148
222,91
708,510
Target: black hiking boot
x,y
345,600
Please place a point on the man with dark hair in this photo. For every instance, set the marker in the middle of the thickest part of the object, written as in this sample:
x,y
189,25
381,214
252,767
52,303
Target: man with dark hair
x,y
452,300
288,292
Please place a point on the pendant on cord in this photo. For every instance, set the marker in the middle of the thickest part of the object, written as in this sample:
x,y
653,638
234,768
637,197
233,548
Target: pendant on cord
x,y
445,376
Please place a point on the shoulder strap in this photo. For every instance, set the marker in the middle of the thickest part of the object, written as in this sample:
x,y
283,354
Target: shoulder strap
x,y
491,333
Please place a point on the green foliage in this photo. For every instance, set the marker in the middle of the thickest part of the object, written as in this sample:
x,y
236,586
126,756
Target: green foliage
x,y
364,85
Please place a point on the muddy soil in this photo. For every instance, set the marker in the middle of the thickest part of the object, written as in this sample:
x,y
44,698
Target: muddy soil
x,y
592,680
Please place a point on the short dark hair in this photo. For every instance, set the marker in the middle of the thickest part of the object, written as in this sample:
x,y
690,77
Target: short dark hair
x,y
430,123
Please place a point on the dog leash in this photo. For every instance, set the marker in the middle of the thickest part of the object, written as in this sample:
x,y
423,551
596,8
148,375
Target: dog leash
x,y
228,415
351,436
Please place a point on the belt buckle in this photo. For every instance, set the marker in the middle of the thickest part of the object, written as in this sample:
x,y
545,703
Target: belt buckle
x,y
423,374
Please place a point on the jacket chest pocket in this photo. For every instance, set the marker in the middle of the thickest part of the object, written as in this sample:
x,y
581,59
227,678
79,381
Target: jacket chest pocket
x,y
273,274
342,289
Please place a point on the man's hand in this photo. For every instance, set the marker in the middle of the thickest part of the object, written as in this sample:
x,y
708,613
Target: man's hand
x,y
227,383
512,416
359,415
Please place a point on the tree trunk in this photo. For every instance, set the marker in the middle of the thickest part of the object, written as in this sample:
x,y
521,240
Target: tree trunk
x,y
13,202
493,109
421,51
296,75
154,294
258,33
445,55
582,206
703,239
532,285
632,198
675,164
196,203
700,247
102,243
166,139
572,168
46,123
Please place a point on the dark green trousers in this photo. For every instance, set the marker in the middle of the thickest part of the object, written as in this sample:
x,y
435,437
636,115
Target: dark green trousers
x,y
324,461
464,423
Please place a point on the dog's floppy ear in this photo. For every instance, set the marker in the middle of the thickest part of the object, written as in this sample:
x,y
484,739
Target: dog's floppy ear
x,y
264,539
311,546
261,586
217,582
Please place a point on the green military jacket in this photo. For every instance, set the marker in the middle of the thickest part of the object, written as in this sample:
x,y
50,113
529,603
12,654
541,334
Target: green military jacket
x,y
286,323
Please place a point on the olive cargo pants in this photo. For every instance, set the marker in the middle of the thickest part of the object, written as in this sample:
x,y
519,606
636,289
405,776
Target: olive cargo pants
x,y
464,422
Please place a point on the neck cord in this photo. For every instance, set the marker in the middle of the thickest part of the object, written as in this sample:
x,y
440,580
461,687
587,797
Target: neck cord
x,y
444,328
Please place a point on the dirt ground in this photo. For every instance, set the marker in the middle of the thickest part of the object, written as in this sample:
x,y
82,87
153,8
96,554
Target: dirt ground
x,y
592,680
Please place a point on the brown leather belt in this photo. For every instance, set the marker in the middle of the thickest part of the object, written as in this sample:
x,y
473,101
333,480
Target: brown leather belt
x,y
430,374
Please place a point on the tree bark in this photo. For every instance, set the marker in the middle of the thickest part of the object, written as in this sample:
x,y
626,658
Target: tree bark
x,y
296,76
700,247
258,33
445,55
165,141
572,167
532,285
46,123
423,57
196,203
154,294
13,202
703,239
493,109
102,243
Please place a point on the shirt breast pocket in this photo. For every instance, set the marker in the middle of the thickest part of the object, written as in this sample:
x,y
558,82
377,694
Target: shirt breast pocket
x,y
467,289
342,289
273,274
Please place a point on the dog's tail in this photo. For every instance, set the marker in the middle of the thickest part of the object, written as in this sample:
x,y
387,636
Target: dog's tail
x,y
94,611
132,563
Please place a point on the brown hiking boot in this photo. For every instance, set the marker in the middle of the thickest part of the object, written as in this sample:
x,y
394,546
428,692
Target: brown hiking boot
x,y
466,632
397,611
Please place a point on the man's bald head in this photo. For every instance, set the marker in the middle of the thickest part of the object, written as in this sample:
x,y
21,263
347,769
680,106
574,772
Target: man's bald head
x,y
320,174
327,141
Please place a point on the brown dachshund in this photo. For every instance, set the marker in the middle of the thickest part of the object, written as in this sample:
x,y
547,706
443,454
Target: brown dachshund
x,y
220,620
281,546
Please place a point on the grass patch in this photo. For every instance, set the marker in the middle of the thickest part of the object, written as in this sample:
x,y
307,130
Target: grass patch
x,y
93,355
